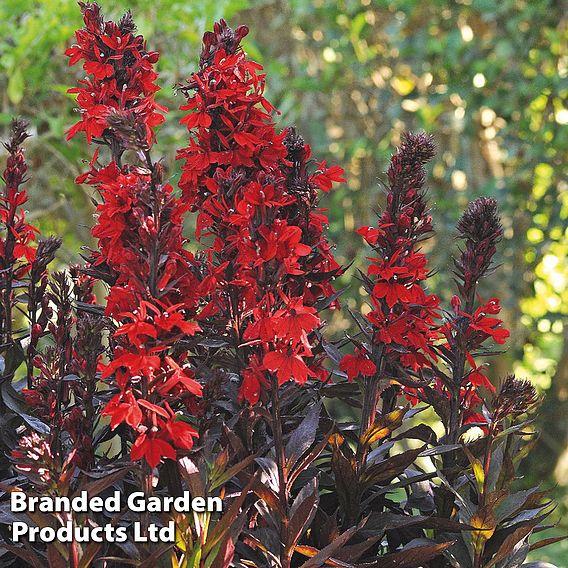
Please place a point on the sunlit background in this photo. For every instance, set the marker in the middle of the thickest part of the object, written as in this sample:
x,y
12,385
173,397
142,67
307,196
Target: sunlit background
x,y
489,79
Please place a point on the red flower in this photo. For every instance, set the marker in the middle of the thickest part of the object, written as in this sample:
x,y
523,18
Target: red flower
x,y
181,433
123,408
325,177
478,379
295,321
152,449
358,364
268,262
489,327
143,362
250,386
287,366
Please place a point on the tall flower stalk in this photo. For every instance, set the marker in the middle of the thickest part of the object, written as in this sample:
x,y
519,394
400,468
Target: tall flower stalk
x,y
266,266
16,243
400,330
141,251
23,263
471,326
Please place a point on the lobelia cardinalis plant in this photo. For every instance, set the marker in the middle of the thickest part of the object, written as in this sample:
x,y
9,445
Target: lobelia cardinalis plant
x,y
266,266
141,253
213,370
23,285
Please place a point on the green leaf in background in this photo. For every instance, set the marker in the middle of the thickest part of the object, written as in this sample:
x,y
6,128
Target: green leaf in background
x,y
16,86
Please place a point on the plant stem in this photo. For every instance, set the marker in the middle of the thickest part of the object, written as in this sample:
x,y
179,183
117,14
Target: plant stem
x,y
282,476
146,474
454,423
371,394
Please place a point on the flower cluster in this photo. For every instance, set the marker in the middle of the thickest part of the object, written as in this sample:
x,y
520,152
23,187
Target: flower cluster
x,y
266,262
407,340
61,392
141,252
23,265
121,78
468,328
17,250
481,230
403,314
34,457
515,397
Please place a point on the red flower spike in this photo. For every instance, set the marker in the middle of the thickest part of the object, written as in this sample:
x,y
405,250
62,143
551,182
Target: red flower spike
x,y
267,260
141,249
403,315
120,77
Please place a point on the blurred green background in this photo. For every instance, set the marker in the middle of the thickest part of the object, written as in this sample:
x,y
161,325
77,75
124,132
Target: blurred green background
x,y
489,79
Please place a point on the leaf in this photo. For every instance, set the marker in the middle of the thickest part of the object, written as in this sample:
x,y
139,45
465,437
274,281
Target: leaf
x,y
303,436
7,517
547,541
150,561
270,498
227,475
36,424
304,463
484,521
478,471
332,352
213,343
383,427
54,559
254,542
437,450
269,467
302,513
93,488
328,551
381,522
326,302
310,552
512,540
13,359
511,504
192,475
223,557
89,554
15,88
347,484
385,471
14,402
421,432
224,524
27,555
354,551
410,556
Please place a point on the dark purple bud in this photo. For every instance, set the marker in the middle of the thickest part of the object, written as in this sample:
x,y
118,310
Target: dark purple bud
x,y
481,229
222,37
92,16
126,24
516,396
481,222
